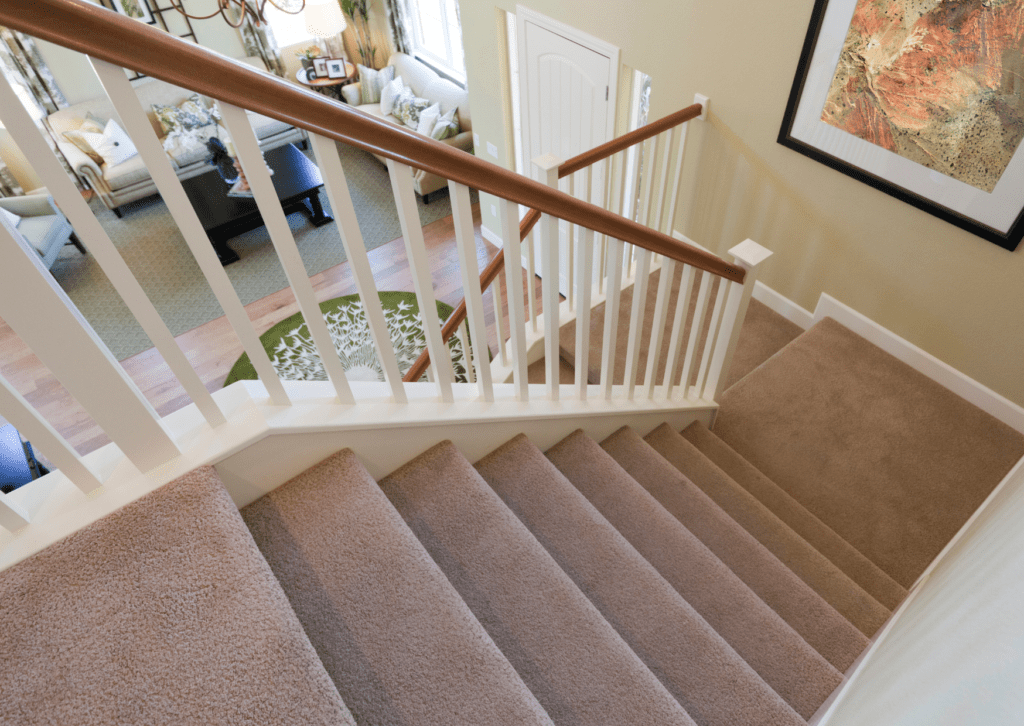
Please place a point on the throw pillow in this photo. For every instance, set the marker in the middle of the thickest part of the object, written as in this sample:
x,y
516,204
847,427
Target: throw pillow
x,y
447,126
192,113
428,119
114,145
92,125
372,82
389,93
408,107
188,147
11,217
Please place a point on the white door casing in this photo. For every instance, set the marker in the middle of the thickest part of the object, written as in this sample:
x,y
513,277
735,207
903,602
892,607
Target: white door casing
x,y
568,87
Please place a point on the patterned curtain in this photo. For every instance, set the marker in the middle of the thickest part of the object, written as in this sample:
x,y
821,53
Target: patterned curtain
x,y
259,41
23,67
9,186
397,12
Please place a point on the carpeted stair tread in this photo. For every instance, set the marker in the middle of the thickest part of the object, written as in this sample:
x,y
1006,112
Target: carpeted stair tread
x,y
712,682
163,612
398,641
756,632
536,373
816,570
577,666
818,623
886,457
845,556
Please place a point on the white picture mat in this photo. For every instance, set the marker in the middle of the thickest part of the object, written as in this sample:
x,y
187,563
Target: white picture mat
x,y
998,210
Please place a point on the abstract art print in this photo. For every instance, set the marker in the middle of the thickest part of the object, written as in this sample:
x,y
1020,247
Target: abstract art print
x,y
922,99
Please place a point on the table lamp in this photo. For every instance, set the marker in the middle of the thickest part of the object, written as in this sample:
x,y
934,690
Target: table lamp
x,y
324,19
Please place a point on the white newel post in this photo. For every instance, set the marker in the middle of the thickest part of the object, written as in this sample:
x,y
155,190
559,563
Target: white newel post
x,y
548,165
750,256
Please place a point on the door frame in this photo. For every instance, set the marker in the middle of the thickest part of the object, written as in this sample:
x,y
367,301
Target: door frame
x,y
524,14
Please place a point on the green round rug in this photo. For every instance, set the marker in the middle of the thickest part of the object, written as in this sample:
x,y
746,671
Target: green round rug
x,y
294,356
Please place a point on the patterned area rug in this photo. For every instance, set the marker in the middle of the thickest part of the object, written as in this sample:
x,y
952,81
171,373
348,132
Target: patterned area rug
x,y
294,356
156,252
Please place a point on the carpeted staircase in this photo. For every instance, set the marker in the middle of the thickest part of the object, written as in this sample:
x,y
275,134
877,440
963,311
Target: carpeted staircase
x,y
636,580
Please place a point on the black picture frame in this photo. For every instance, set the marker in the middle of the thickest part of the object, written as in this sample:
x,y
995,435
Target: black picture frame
x,y
142,6
1008,239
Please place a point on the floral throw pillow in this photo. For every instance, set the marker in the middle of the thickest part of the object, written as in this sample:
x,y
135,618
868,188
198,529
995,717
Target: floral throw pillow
x,y
446,127
191,114
408,107
372,82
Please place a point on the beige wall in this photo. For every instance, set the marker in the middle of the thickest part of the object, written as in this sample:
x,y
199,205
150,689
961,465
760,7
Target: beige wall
x,y
955,295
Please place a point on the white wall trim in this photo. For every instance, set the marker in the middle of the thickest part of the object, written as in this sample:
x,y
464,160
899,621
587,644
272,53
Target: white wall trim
x,y
942,373
493,237
783,306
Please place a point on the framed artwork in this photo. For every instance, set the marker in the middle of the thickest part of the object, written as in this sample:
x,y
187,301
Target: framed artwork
x,y
336,68
320,66
921,99
138,9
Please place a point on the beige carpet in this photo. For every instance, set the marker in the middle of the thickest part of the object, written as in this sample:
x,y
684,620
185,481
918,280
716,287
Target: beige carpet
x,y
889,459
388,626
163,612
155,250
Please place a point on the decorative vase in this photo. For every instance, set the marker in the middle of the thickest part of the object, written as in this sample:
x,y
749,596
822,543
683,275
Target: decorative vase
x,y
307,63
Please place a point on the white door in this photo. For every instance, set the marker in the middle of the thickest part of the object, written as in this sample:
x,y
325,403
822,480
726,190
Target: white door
x,y
568,83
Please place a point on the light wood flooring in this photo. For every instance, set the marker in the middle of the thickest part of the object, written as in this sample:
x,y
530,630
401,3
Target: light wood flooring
x,y
213,348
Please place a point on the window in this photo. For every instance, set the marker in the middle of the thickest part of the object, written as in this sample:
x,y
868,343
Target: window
x,y
288,29
438,36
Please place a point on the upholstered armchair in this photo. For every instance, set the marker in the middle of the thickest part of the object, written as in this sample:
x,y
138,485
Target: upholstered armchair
x,y
42,225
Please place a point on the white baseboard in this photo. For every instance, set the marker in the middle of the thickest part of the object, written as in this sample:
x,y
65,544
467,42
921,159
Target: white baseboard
x,y
490,236
783,305
942,373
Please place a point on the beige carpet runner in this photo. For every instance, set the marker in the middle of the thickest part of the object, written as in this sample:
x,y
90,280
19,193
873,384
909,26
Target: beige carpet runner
x,y
636,581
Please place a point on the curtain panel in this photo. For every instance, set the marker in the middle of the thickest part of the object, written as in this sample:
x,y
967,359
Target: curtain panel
x,y
397,12
24,68
259,41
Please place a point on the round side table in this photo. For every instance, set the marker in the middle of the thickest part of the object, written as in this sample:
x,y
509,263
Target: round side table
x,y
327,86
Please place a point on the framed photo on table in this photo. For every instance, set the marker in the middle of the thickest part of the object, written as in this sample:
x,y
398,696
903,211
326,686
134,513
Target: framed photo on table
x,y
336,68
320,66
941,131
137,9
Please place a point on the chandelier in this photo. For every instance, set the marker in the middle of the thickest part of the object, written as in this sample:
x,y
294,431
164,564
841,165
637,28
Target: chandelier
x,y
234,11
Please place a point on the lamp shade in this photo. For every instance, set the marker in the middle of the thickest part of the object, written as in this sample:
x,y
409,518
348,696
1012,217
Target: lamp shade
x,y
324,19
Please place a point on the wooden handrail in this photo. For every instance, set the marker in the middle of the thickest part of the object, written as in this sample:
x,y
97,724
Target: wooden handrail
x,y
581,161
88,28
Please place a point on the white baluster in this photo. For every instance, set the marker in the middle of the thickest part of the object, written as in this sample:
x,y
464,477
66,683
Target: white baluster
x,y
256,172
668,272
462,213
12,517
664,149
419,265
570,183
636,320
613,295
28,138
700,309
467,353
678,322
584,281
650,155
549,242
45,438
509,215
531,271
750,256
326,151
680,158
709,342
138,126
497,295
41,313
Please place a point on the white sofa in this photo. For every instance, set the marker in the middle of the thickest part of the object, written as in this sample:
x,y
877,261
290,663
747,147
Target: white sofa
x,y
427,84
131,180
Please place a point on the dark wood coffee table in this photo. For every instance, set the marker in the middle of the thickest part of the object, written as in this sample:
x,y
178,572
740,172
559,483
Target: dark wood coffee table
x,y
296,179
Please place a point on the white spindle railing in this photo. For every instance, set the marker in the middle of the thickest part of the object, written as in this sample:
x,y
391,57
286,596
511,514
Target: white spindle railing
x,y
76,357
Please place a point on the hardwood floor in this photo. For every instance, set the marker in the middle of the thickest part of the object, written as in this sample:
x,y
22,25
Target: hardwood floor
x,y
213,348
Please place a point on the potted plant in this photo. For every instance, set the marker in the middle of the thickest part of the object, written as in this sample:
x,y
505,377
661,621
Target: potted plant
x,y
306,55
358,11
